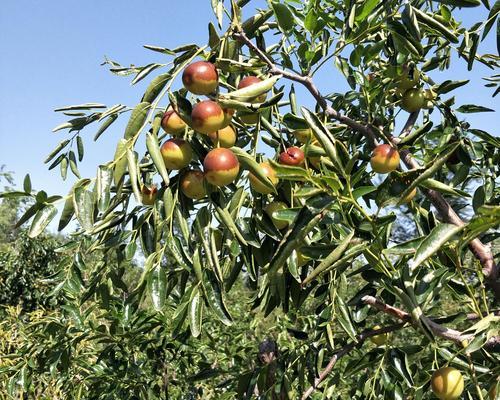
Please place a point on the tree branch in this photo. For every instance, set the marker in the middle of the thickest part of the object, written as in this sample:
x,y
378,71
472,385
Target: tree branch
x,y
480,251
345,350
437,329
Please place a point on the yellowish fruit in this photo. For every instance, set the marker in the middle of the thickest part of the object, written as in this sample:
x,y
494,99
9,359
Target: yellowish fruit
x,y
257,185
225,137
193,185
176,153
381,339
271,208
447,383
303,135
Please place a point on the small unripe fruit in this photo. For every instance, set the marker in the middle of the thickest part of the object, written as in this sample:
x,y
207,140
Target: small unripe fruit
x,y
176,153
172,123
384,159
193,184
447,383
276,206
303,135
292,156
207,116
148,194
225,137
248,118
381,339
249,81
221,167
409,78
257,185
200,77
413,100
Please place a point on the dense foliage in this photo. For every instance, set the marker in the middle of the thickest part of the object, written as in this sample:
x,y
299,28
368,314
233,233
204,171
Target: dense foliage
x,y
363,279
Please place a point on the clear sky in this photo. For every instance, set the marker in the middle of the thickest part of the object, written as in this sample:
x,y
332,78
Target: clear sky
x,y
50,55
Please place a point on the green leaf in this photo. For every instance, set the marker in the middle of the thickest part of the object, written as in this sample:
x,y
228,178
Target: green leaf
x,y
67,212
284,16
366,9
27,184
327,141
42,218
145,71
329,260
105,125
473,108
196,313
155,153
58,148
120,161
155,87
448,86
249,163
83,203
133,174
433,23
137,119
158,287
433,243
103,186
215,298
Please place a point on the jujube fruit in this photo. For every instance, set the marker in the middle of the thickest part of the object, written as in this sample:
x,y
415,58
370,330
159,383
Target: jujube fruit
x,y
292,156
413,100
172,123
176,153
207,116
221,167
200,77
384,159
381,339
447,383
225,137
276,206
148,194
193,184
257,185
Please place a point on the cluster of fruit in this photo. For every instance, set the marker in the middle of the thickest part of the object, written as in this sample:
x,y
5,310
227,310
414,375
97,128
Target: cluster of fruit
x,y
220,165
413,97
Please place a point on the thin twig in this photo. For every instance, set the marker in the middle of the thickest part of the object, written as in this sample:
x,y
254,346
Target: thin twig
x,y
345,350
437,329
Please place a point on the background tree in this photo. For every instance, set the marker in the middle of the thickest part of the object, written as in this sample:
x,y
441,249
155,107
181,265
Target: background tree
x,y
311,235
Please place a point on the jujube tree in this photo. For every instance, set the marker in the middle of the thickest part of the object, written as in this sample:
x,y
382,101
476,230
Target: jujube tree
x,y
303,202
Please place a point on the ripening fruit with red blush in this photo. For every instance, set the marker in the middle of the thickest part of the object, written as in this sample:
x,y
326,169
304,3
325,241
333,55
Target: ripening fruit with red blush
x,y
221,167
148,194
200,77
172,123
207,116
292,156
249,81
176,153
193,184
385,159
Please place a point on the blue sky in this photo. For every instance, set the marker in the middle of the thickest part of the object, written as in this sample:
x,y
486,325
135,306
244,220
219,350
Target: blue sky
x,y
51,53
